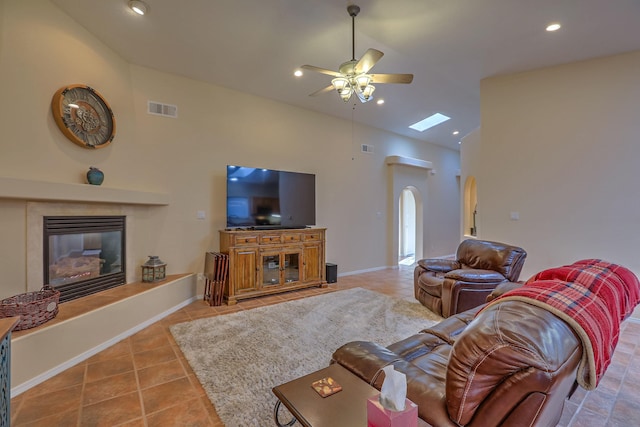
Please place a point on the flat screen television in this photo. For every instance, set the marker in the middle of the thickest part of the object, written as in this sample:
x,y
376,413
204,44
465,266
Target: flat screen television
x,y
270,199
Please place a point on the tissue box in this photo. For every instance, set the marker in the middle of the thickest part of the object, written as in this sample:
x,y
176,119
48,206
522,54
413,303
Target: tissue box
x,y
378,416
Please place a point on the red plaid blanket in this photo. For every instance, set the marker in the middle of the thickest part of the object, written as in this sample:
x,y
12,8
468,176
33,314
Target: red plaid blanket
x,y
593,297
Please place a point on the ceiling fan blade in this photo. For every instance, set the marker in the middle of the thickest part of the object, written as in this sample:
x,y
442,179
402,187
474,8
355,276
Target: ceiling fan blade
x,y
321,91
321,70
368,60
391,78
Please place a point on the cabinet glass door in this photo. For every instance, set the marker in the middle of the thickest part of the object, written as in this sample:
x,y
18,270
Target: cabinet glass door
x,y
270,270
291,267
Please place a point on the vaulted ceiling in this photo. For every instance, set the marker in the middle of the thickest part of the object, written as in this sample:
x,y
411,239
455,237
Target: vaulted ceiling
x,y
449,45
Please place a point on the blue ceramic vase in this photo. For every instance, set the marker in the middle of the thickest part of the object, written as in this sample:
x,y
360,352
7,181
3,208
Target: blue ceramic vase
x,y
95,176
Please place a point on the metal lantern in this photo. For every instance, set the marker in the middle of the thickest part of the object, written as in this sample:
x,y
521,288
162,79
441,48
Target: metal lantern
x,y
154,270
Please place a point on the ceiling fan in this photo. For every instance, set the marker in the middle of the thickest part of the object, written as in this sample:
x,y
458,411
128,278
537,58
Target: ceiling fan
x,y
353,76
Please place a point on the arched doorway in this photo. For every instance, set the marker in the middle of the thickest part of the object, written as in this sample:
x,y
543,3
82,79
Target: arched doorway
x,y
407,230
470,207
411,174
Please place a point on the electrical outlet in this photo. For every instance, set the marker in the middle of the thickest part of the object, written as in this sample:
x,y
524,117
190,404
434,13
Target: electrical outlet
x,y
201,214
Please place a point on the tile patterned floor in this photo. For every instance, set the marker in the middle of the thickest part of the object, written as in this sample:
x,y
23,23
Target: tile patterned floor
x,y
145,381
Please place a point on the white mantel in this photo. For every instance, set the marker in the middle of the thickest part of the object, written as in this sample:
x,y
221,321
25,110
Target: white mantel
x,y
23,189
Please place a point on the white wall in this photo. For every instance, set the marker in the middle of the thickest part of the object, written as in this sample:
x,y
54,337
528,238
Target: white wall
x,y
560,147
42,49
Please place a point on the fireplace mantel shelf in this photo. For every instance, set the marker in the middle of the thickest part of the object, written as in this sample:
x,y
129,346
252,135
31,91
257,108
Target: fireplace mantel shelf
x,y
23,189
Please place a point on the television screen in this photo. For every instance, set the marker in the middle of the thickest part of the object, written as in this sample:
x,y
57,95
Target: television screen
x,y
265,198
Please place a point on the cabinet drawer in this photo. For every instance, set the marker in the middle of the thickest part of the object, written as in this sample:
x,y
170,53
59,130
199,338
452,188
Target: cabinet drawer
x,y
246,240
274,238
312,237
291,238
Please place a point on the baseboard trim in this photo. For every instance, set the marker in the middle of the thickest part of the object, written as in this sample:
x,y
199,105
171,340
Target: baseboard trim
x,y
87,354
77,339
368,270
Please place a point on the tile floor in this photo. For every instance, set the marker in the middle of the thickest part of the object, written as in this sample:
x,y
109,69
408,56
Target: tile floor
x,y
145,381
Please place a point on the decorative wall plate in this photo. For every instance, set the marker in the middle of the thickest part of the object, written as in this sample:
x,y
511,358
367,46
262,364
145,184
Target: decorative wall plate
x,y
83,116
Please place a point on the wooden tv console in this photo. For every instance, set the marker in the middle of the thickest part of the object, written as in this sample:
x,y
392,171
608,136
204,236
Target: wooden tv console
x,y
264,262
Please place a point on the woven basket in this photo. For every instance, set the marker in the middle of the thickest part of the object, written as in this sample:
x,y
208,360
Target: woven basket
x,y
34,308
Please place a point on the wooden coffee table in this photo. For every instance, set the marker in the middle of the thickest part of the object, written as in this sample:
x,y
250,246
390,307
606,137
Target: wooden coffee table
x,y
347,408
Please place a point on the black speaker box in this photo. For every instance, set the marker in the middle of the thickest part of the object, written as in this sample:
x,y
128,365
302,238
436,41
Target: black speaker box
x,y
332,273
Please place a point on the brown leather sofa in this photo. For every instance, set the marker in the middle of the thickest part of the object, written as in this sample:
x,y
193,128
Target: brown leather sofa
x,y
447,287
513,366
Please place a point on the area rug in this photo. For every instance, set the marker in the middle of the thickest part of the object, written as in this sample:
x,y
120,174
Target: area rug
x,y
238,358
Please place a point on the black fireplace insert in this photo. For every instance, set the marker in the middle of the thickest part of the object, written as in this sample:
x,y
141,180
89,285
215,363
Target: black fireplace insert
x,y
84,254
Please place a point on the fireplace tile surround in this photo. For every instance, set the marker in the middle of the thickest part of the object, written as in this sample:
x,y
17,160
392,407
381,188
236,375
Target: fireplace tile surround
x,y
36,211
45,198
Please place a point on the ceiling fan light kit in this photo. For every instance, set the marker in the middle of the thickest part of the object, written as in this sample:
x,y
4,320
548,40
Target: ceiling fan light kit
x,y
352,76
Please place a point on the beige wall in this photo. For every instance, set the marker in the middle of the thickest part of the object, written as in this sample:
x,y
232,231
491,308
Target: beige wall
x,y
560,147
42,49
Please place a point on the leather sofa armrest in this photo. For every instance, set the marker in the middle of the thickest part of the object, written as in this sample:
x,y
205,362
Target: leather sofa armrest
x,y
452,326
471,275
364,359
416,345
439,265
503,288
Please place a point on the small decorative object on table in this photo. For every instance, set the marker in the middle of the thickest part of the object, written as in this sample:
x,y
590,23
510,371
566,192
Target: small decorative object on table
x,y
326,386
34,308
95,176
154,270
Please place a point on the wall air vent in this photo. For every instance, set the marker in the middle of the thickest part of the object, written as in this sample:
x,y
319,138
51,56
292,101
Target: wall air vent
x,y
164,110
365,148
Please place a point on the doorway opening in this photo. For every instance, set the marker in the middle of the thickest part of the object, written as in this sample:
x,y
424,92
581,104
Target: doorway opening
x,y
407,227
470,207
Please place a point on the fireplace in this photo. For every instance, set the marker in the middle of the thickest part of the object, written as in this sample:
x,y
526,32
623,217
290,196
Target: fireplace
x,y
83,255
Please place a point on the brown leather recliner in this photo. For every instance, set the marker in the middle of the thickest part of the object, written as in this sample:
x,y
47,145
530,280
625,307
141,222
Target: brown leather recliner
x,y
513,366
447,287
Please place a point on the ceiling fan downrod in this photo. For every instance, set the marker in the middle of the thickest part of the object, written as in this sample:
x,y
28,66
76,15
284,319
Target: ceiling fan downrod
x,y
353,12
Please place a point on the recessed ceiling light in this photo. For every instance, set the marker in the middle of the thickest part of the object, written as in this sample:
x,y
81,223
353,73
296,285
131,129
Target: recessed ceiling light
x,y
553,27
297,73
429,122
380,101
138,7
455,132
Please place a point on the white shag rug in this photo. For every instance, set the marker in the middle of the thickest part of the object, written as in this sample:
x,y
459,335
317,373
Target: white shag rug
x,y
238,358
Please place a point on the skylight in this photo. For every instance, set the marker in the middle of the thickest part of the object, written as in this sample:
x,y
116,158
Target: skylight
x,y
429,122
